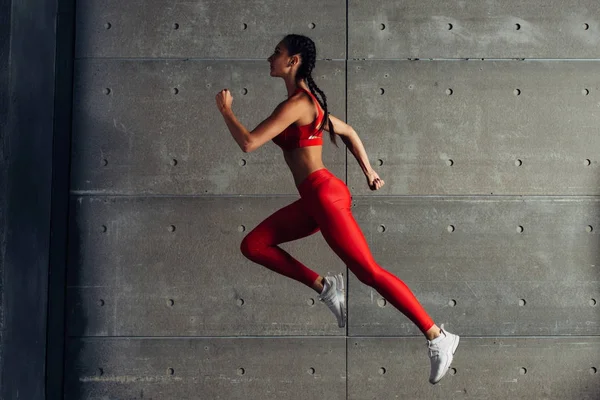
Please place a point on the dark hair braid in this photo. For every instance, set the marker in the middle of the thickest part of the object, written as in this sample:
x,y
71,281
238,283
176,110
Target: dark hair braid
x,y
299,44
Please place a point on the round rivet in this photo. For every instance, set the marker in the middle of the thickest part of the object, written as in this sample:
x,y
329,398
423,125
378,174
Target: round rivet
x,y
171,228
382,371
382,26
175,91
411,86
381,91
518,163
312,25
589,229
519,229
523,370
381,302
104,162
242,162
175,26
593,371
310,302
586,27
517,92
244,91
451,228
588,162
449,92
107,25
241,371
104,228
593,302
206,348
450,162
241,228
244,26
381,228
170,302
101,303
522,302
518,27
311,371
240,302
353,204
386,75
170,371
106,91
100,371
452,303
585,92
450,26
174,162
452,371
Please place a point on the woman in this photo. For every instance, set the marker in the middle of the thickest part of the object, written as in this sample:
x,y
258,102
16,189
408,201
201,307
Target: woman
x,y
296,126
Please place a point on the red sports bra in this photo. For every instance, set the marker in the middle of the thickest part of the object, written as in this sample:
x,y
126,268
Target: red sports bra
x,y
294,136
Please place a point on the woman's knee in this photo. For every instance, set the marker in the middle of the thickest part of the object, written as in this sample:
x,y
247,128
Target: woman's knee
x,y
249,247
368,276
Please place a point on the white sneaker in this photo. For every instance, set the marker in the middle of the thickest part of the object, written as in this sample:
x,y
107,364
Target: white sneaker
x,y
333,296
441,353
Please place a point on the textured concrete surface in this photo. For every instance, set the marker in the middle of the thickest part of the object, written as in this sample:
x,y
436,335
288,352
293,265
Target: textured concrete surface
x,y
485,368
207,368
222,29
490,211
171,266
477,127
483,265
473,29
158,131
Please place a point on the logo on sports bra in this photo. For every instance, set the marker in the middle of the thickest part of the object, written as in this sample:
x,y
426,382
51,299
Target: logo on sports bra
x,y
313,137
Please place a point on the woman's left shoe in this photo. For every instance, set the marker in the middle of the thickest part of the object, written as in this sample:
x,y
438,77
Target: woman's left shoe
x,y
333,295
441,353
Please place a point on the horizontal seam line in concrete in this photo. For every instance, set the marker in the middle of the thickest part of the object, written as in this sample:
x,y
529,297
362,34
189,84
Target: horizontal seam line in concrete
x,y
335,59
354,196
565,336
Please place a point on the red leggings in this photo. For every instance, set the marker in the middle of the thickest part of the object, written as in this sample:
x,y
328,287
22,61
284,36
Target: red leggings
x,y
325,205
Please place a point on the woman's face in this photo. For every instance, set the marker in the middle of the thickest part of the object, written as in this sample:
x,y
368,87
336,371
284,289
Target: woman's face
x,y
279,61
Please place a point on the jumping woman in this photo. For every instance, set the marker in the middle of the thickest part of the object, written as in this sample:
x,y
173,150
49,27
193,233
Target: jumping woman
x,y
296,125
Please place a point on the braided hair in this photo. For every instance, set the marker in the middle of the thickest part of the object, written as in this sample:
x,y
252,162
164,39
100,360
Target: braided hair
x,y
299,44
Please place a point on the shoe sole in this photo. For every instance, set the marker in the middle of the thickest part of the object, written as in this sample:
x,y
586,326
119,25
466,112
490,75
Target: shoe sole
x,y
339,282
454,347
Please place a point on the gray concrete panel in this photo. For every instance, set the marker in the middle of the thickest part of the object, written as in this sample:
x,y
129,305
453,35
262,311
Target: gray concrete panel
x,y
207,29
226,369
158,130
477,127
471,267
473,29
173,266
483,368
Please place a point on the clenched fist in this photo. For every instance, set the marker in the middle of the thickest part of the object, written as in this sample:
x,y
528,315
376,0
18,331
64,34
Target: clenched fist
x,y
224,100
374,181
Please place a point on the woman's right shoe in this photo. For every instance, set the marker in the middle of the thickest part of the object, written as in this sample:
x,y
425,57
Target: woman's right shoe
x,y
333,295
441,353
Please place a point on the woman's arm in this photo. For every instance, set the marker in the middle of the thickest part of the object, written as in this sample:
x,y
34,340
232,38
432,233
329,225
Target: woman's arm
x,y
352,141
285,114
354,144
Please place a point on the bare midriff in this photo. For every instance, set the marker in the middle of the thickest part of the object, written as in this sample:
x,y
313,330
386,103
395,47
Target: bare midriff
x,y
303,161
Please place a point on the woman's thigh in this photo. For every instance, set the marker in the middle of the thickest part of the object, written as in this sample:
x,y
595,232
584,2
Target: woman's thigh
x,y
289,223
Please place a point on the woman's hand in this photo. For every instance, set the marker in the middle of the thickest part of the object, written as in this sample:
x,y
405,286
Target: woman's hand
x,y
375,182
224,100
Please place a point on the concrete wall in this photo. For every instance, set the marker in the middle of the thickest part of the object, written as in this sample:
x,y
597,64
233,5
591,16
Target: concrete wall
x,y
490,211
